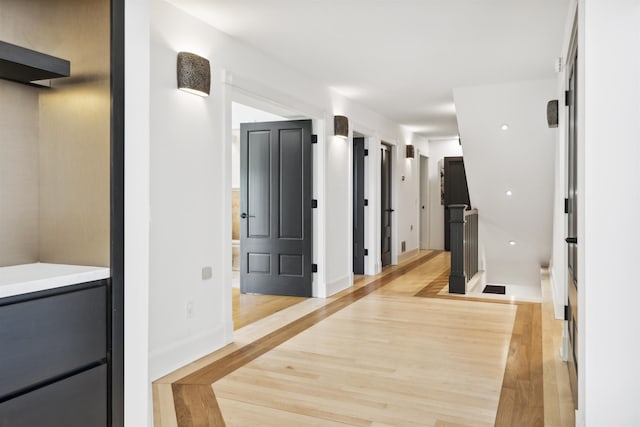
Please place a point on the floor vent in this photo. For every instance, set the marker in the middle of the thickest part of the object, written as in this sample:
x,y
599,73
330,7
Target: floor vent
x,y
494,289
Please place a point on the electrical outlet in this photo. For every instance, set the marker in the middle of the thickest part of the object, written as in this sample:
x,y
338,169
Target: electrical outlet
x,y
189,309
207,273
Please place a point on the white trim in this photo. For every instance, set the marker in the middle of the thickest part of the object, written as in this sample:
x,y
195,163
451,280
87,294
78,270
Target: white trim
x,y
257,95
339,284
558,301
182,352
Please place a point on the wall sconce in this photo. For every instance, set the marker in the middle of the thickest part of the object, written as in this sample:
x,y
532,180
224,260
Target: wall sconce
x,y
341,126
194,74
411,151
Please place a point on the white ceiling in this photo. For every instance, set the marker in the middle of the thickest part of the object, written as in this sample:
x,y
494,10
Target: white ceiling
x,y
401,58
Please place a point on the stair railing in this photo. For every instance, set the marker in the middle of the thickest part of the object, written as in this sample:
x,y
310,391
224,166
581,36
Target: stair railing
x,y
464,247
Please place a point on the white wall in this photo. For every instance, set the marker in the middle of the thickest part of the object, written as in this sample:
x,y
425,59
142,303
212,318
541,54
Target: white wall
x,y
408,199
437,150
191,180
608,232
520,159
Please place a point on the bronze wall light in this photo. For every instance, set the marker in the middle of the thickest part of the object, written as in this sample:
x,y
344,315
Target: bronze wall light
x,y
194,74
341,126
411,151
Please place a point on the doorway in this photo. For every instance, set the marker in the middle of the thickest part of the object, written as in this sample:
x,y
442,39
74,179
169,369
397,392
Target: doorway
x,y
385,204
572,214
247,308
359,204
424,202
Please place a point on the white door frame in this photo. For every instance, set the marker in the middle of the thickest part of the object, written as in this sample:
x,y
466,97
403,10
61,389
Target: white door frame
x,y
256,95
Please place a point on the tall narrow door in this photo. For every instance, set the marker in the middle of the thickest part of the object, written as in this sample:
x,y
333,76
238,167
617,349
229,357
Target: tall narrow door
x,y
276,205
358,205
424,202
572,222
386,210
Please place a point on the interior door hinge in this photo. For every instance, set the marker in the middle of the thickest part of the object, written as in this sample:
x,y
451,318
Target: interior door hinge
x,y
314,203
366,202
314,268
566,312
567,98
314,139
366,152
566,206
366,252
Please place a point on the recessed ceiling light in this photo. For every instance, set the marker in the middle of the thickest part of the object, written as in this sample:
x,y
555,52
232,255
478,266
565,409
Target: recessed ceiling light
x,y
504,127
509,193
512,242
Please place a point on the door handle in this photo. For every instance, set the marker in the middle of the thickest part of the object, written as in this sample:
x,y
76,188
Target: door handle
x,y
244,215
573,240
389,210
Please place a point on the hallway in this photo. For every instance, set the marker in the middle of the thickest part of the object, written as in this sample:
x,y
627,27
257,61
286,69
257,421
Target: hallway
x,y
395,349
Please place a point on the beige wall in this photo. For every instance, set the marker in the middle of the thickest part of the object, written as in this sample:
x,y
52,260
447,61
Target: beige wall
x,y
18,174
72,121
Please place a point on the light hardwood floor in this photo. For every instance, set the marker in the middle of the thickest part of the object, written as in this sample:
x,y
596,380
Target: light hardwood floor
x,y
249,308
392,351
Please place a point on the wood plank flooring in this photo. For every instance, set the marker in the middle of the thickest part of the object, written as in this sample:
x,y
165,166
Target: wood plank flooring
x,y
249,308
379,361
374,355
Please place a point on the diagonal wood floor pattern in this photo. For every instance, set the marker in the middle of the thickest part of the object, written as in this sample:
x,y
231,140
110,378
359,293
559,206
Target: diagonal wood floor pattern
x,y
395,350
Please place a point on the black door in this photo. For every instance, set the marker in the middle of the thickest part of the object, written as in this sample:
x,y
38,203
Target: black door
x,y
572,223
275,201
385,198
358,205
456,191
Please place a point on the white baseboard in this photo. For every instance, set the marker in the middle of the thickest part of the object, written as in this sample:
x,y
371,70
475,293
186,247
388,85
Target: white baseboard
x,y
340,284
558,304
180,353
407,255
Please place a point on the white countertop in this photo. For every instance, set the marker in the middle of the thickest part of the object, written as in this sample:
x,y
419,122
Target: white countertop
x,y
26,278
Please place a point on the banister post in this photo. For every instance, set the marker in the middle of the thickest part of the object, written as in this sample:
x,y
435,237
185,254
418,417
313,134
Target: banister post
x,y
457,280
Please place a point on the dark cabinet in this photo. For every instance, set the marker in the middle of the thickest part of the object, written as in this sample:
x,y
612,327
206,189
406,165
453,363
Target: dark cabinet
x,y
53,358
77,401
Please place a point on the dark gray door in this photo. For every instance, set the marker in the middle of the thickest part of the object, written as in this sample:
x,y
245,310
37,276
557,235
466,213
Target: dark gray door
x,y
358,205
572,223
456,191
275,201
385,197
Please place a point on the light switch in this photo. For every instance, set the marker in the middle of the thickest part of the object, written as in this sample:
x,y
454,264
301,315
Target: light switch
x,y
207,273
